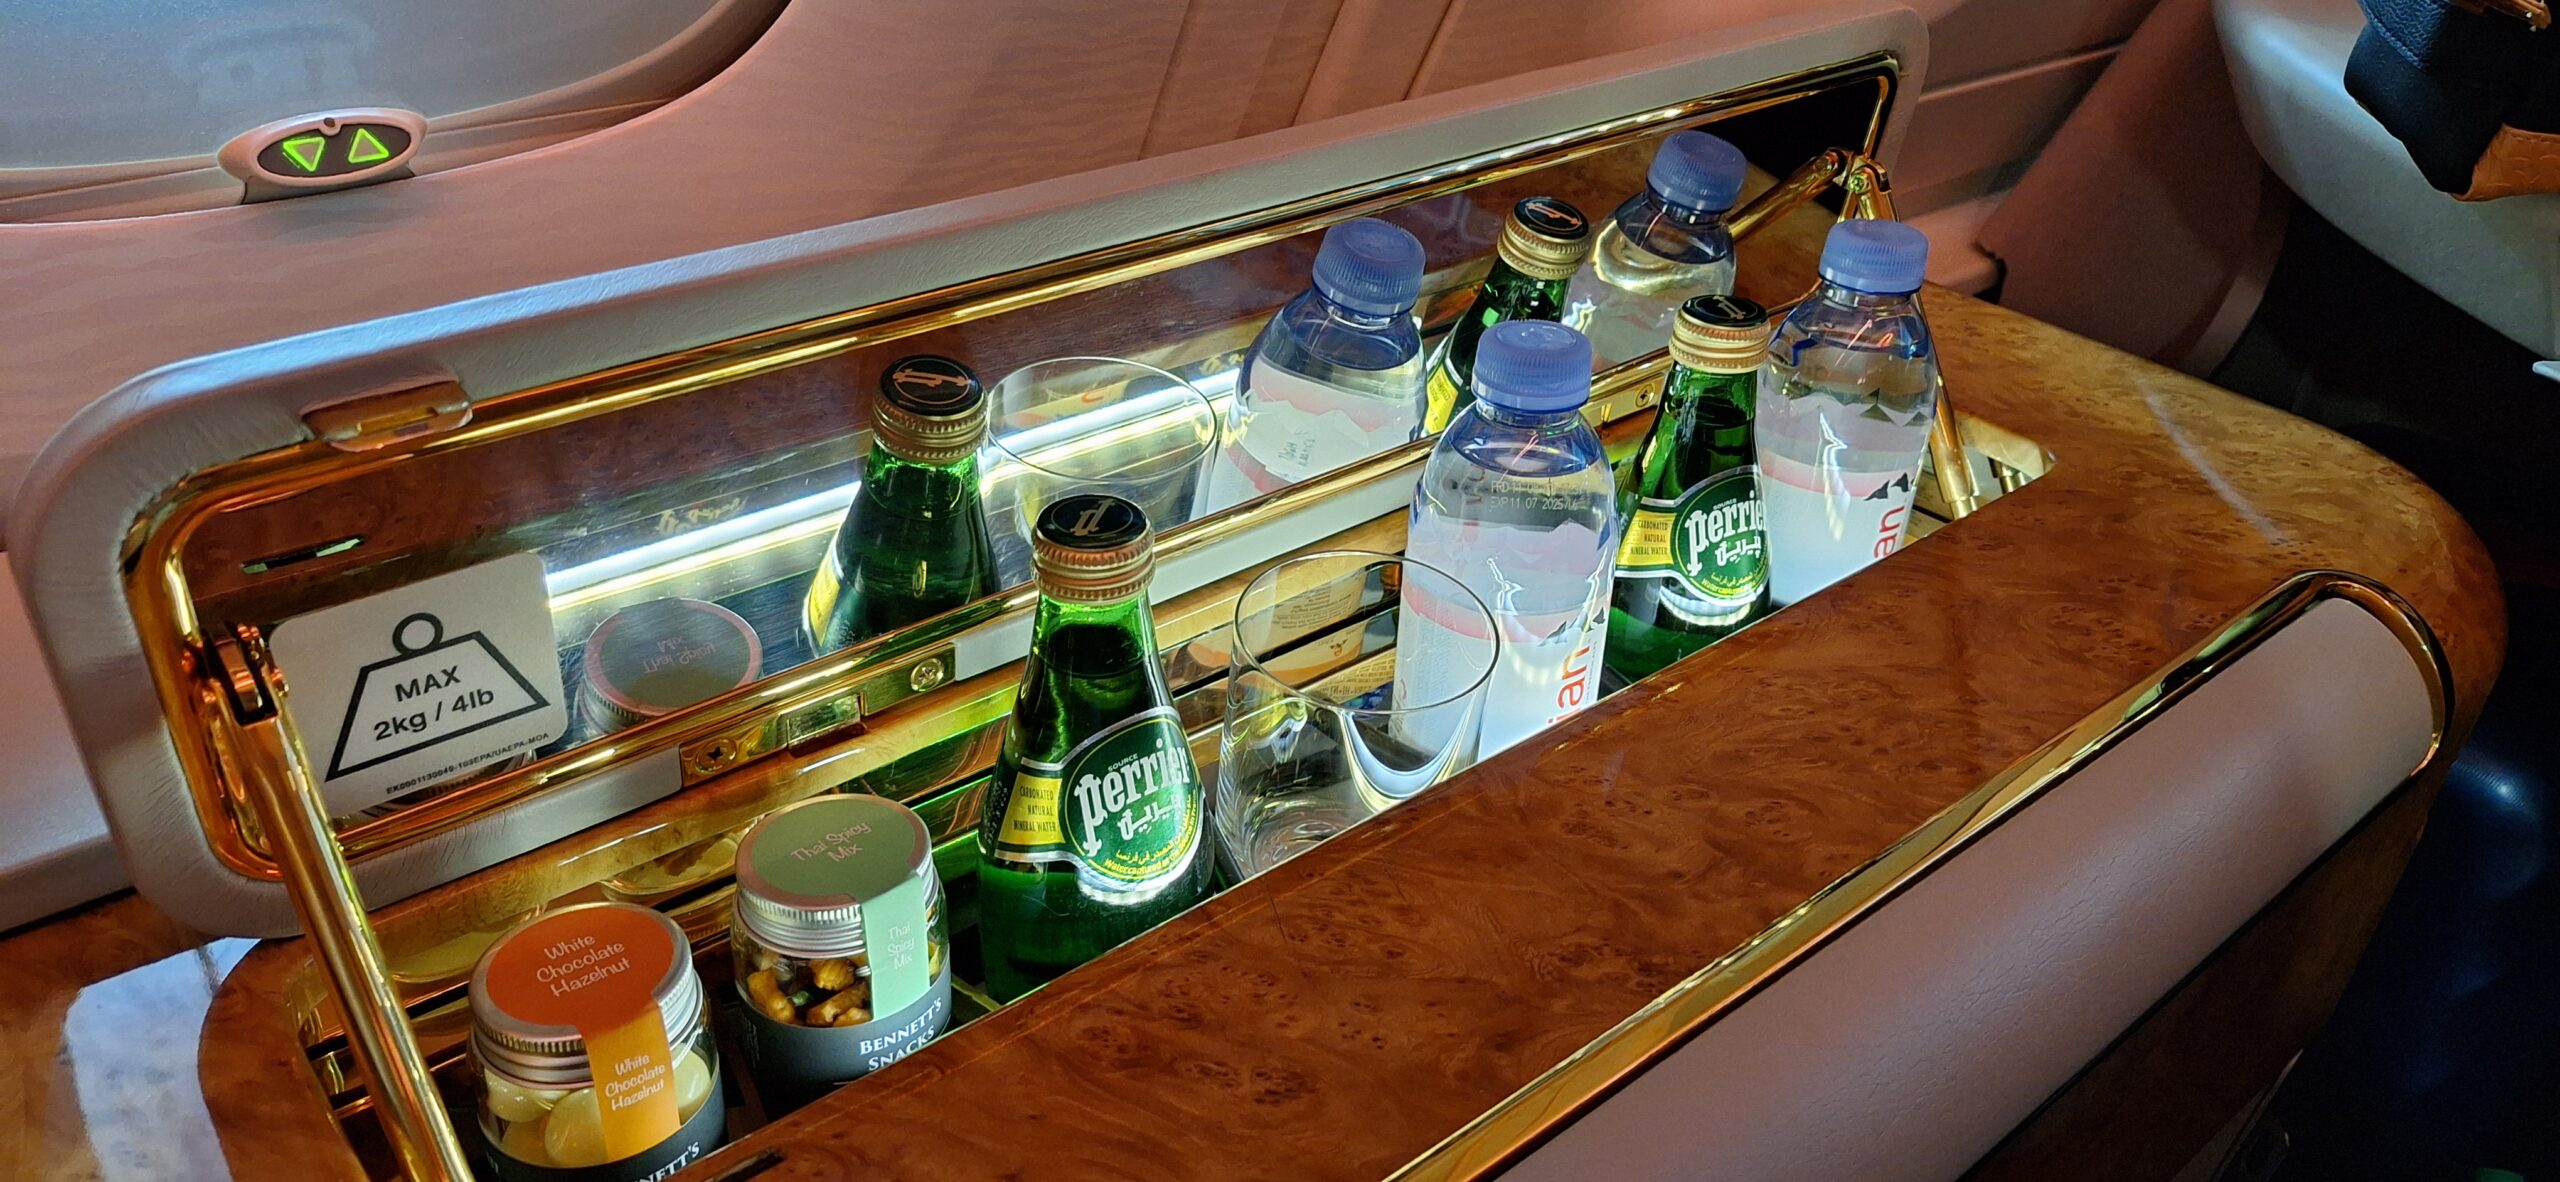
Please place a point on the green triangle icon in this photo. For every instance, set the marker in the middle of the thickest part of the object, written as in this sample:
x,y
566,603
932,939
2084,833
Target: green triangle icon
x,y
305,150
366,149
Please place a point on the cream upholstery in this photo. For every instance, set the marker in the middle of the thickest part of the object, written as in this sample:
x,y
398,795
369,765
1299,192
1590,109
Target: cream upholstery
x,y
1907,1047
2497,260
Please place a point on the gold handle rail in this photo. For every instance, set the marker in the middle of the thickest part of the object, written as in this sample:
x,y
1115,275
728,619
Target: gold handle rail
x,y
325,897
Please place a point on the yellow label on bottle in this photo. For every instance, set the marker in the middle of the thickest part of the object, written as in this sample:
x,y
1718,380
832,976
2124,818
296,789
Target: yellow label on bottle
x,y
1441,399
1029,830
1648,541
1710,541
818,605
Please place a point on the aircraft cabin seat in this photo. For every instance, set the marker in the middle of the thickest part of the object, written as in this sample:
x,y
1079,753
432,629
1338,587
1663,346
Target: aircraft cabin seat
x,y
2496,260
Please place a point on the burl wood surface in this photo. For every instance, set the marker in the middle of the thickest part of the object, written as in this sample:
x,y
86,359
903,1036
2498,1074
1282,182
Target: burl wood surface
x,y
1337,1017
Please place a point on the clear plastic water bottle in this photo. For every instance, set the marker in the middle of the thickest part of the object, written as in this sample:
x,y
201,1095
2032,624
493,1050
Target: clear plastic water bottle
x,y
1336,376
1661,248
1845,407
1517,503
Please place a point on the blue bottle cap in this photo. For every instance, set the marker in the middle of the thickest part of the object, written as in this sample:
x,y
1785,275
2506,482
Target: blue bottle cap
x,y
1534,367
1885,258
1370,266
1697,172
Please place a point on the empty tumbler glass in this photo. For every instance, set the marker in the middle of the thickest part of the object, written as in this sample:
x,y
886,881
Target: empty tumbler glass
x,y
1313,742
1091,424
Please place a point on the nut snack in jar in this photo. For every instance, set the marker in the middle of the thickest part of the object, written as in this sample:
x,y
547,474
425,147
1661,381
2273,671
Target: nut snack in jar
x,y
591,1049
842,955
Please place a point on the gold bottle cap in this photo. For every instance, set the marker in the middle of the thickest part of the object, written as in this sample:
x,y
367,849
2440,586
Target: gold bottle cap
x,y
931,410
1546,238
1092,548
1720,334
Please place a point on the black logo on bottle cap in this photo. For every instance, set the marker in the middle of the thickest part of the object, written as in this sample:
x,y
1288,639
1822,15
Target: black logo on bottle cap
x,y
931,385
1091,521
1725,311
1552,217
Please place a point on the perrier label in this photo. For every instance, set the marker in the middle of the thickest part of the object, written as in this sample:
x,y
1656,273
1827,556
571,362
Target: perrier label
x,y
1092,828
1540,247
914,543
1694,564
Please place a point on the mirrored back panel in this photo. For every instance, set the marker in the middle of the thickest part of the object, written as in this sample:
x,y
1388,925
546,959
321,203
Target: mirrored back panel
x,y
682,508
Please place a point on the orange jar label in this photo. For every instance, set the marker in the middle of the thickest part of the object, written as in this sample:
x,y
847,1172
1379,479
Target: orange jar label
x,y
596,970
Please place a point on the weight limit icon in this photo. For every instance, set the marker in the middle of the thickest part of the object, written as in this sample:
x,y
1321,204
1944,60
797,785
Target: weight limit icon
x,y
431,690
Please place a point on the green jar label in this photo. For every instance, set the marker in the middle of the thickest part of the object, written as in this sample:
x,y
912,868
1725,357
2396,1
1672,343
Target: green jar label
x,y
1128,802
1712,541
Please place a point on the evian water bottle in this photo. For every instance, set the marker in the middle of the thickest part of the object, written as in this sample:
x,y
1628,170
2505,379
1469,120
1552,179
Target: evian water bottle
x,y
1846,404
1336,377
1516,502
1665,245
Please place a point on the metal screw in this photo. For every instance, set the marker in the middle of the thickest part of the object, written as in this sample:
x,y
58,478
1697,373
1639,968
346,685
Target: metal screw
x,y
714,757
926,675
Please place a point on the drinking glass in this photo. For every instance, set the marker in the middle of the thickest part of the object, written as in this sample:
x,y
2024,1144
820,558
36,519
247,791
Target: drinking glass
x,y
1091,424
1315,738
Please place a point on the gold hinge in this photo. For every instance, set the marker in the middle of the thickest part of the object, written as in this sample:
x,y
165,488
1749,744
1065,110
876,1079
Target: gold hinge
x,y
369,421
827,717
243,682
2534,13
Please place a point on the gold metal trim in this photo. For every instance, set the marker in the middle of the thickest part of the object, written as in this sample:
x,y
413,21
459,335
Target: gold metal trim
x,y
164,613
325,898
2535,14
1500,1137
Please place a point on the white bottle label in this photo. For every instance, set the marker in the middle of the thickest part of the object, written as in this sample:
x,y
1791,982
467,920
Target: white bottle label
x,y
1826,524
1549,593
1292,427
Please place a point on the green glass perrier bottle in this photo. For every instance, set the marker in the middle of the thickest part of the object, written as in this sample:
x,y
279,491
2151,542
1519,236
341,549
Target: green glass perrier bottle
x,y
1693,567
914,543
1540,247
1092,830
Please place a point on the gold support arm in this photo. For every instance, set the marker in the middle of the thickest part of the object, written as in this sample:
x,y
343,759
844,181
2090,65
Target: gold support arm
x,y
1869,194
325,896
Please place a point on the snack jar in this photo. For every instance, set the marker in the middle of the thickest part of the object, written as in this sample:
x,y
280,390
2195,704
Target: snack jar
x,y
842,954
591,1048
662,655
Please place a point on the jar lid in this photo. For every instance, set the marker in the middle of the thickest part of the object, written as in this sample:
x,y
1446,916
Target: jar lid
x,y
1720,334
1092,548
805,871
1546,238
663,655
931,410
591,959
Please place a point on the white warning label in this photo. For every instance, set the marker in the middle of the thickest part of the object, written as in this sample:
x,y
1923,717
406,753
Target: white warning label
x,y
397,691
